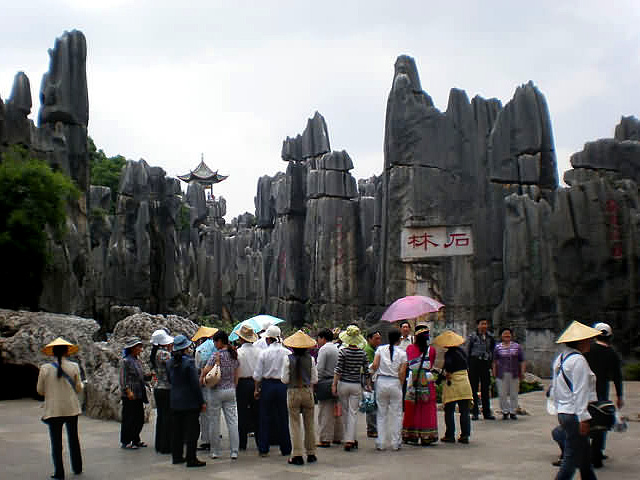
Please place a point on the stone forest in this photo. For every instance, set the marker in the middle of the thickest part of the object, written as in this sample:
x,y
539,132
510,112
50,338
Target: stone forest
x,y
467,209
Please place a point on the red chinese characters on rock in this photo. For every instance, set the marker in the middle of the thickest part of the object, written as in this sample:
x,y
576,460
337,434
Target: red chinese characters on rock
x,y
425,240
614,234
457,240
417,241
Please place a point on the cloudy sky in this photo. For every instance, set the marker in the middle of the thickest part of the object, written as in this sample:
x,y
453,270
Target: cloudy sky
x,y
231,79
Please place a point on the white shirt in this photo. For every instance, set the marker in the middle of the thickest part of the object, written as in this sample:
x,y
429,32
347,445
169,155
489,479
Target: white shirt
x,y
583,379
248,357
270,362
286,371
388,367
262,343
404,343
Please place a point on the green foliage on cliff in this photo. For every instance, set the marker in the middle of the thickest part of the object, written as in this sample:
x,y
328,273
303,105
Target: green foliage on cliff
x,y
32,197
105,171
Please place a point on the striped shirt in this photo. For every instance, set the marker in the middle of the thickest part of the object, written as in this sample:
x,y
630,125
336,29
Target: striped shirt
x,y
352,362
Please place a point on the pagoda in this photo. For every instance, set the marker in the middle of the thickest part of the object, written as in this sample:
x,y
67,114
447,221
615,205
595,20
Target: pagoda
x,y
203,175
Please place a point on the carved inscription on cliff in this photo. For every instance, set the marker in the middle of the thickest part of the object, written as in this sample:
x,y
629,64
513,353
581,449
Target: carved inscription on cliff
x,y
425,242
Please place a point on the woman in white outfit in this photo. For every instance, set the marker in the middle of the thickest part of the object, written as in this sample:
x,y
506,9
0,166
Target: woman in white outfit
x,y
390,363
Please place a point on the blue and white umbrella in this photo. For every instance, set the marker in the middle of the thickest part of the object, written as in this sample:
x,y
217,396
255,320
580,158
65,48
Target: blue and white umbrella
x,y
257,324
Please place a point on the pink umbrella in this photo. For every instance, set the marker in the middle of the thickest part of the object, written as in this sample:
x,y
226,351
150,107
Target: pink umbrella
x,y
410,307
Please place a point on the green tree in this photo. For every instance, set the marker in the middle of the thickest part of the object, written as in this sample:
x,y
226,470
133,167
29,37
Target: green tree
x,y
32,197
105,170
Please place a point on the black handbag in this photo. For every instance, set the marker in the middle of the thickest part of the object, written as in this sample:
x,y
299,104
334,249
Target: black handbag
x,y
323,390
603,415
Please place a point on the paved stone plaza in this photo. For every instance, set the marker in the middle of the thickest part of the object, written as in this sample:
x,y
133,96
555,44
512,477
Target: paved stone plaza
x,y
520,450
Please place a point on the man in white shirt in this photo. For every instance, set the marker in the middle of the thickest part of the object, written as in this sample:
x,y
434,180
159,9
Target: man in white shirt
x,y
573,387
405,336
247,404
329,425
272,394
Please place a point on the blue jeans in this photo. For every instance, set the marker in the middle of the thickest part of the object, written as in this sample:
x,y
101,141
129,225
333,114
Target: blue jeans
x,y
576,450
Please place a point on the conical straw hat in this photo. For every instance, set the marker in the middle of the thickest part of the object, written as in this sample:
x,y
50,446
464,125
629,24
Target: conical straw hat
x,y
204,332
448,338
71,348
299,340
577,331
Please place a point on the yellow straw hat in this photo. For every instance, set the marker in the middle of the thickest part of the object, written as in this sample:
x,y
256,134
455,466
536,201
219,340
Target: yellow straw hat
x,y
247,334
204,332
352,336
60,342
299,340
448,338
577,331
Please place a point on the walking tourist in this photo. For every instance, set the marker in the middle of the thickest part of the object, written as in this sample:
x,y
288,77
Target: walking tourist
x,y
480,346
300,374
373,342
222,396
272,394
457,389
572,388
59,382
350,372
508,369
186,403
160,354
420,423
248,355
390,365
329,408
133,394
605,364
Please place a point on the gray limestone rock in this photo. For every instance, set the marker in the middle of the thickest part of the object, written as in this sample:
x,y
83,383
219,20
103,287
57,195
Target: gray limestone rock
x,y
17,127
335,161
265,201
63,93
523,126
610,154
313,142
628,129
289,190
20,97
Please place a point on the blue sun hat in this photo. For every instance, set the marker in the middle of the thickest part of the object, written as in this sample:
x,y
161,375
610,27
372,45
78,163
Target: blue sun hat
x,y
181,342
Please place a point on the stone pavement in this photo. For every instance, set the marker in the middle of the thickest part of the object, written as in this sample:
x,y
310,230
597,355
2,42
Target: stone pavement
x,y
520,450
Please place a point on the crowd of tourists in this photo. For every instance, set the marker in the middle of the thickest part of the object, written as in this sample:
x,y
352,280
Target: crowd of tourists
x,y
268,388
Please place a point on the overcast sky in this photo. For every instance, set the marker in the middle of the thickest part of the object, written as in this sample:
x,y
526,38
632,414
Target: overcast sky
x,y
231,79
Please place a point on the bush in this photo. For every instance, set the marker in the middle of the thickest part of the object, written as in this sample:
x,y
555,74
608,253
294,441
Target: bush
x,y
105,171
631,371
32,197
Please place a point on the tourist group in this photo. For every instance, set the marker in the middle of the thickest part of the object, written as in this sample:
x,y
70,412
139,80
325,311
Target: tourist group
x,y
269,388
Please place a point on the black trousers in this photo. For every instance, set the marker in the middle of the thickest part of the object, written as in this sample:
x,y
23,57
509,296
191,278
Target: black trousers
x,y
247,411
449,420
55,434
163,420
186,430
274,416
480,372
132,421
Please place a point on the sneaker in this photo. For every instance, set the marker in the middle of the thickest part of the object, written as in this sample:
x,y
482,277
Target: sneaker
x,y
312,458
505,416
214,456
234,456
296,461
513,416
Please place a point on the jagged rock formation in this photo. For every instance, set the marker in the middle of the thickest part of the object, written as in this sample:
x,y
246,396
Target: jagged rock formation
x,y
455,169
324,249
25,333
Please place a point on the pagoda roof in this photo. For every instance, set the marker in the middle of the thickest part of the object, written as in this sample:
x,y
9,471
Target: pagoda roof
x,y
203,174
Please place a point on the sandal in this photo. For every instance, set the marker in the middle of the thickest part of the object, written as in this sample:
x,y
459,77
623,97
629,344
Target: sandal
x,y
130,446
140,445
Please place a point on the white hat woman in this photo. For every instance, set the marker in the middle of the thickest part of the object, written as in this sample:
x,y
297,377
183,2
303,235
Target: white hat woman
x,y
59,382
160,354
347,380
